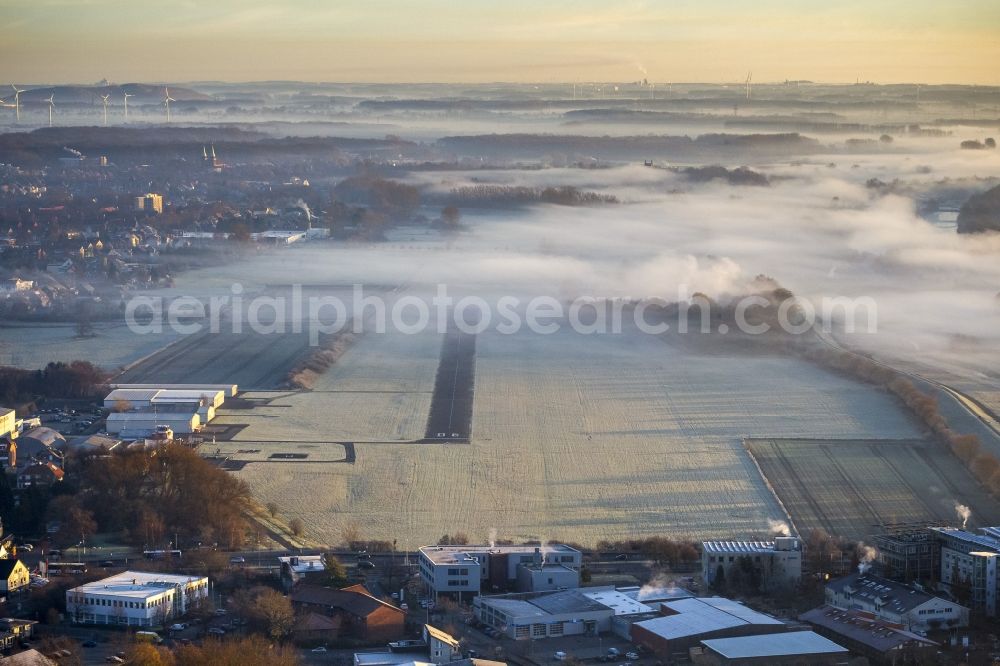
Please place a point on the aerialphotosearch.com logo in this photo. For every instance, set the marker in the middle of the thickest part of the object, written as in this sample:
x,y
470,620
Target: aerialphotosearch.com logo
x,y
325,314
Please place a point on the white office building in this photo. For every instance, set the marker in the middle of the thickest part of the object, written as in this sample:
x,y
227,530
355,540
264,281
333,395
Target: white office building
x,y
465,571
135,599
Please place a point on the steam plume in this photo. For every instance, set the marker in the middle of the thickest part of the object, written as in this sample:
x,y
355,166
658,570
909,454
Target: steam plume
x,y
778,527
964,513
866,555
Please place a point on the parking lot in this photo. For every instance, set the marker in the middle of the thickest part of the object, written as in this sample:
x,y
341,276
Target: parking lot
x,y
70,421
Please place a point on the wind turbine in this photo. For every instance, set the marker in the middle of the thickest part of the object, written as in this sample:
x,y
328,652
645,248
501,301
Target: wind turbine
x,y
127,95
167,99
104,101
749,84
17,102
52,105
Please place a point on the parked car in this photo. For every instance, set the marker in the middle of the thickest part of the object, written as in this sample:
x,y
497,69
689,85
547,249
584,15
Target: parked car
x,y
217,631
89,644
180,626
366,564
319,649
559,656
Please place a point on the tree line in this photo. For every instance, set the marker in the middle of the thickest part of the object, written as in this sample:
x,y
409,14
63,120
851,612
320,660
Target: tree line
x,y
76,380
153,497
506,195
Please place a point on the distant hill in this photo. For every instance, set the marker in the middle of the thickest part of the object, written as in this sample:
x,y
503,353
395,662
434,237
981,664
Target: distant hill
x,y
980,213
140,93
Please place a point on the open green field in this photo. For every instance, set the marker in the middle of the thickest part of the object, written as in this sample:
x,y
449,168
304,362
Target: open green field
x,y
854,487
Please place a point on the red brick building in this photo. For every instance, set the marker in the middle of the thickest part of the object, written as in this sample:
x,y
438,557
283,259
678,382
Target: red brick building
x,y
361,616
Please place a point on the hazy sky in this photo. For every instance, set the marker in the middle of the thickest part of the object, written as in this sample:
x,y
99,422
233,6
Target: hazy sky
x,y
515,40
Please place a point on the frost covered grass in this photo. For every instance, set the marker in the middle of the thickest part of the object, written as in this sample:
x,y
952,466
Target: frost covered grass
x,y
111,347
574,437
849,488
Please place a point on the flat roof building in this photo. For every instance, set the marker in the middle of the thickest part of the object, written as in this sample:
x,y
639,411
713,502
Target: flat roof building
x,y
149,202
908,553
144,424
229,390
135,598
686,622
971,559
544,615
465,571
792,648
295,567
141,398
778,562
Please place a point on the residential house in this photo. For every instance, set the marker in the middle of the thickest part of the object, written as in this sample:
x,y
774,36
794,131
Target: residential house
x,y
443,648
39,474
40,445
22,629
13,575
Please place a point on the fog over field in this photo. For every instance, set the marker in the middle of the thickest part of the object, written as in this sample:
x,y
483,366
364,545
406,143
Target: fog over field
x,y
848,193
817,230
590,437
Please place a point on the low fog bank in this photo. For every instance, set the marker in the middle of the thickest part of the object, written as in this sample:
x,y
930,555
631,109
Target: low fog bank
x,y
818,229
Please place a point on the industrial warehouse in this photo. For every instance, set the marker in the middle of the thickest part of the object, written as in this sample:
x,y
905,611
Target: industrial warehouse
x,y
141,410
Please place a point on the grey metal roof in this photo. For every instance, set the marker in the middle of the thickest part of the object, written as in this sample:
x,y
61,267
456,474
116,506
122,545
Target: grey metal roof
x,y
738,547
567,601
872,633
992,532
893,596
515,608
979,539
46,436
774,645
703,615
